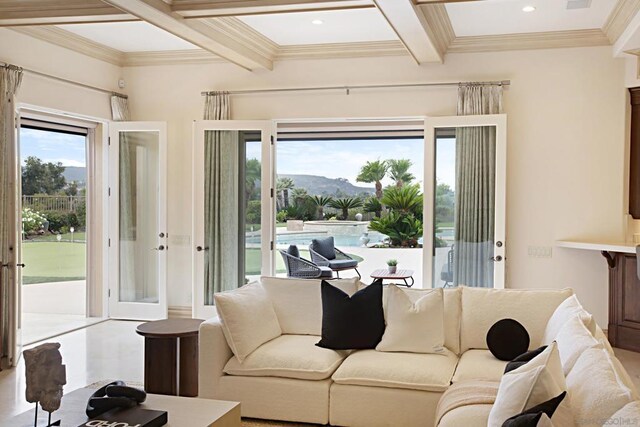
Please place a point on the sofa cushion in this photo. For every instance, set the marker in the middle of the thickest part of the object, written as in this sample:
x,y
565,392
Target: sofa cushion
x,y
289,356
481,308
538,381
416,327
298,304
478,365
452,312
507,339
574,339
630,412
467,416
324,247
242,332
595,388
414,371
569,308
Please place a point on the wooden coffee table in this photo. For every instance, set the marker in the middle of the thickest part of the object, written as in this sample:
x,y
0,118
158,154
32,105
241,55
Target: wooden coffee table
x,y
171,356
182,411
403,275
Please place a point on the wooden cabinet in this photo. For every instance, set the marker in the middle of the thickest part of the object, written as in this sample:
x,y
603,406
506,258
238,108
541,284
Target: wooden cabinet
x,y
624,301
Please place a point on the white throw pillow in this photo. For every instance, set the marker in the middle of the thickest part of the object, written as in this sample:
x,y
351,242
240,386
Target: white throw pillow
x,y
415,327
565,311
629,415
248,318
573,339
537,381
596,390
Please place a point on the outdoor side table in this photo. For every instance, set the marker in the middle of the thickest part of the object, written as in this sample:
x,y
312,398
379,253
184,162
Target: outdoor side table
x,y
171,356
403,275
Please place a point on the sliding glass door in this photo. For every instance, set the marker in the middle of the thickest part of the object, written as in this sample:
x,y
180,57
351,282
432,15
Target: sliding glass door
x,y
465,188
138,221
231,207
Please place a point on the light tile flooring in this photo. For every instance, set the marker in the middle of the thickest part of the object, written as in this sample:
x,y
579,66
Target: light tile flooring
x,y
112,350
42,326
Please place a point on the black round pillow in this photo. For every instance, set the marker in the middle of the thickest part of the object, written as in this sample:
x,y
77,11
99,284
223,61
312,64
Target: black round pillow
x,y
507,339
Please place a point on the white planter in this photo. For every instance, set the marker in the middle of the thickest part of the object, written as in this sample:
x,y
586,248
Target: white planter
x,y
392,269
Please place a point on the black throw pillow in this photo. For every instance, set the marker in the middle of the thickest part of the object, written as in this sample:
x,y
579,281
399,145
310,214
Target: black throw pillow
x,y
531,416
523,359
507,339
351,323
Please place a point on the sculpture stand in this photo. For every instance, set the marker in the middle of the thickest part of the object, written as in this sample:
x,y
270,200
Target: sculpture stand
x,y
49,423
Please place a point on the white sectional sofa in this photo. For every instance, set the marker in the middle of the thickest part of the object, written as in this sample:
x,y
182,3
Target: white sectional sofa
x,y
291,379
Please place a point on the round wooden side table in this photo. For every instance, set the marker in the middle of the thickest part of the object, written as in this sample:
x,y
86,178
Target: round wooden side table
x,y
171,356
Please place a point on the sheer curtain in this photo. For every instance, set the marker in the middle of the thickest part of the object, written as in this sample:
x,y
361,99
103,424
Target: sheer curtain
x,y
10,79
475,188
127,287
221,194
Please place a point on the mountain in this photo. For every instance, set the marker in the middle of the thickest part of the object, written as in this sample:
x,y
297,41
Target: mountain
x,y
321,185
75,173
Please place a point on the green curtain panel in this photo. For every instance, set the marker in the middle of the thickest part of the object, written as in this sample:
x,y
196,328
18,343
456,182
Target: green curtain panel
x,y
475,188
221,194
10,79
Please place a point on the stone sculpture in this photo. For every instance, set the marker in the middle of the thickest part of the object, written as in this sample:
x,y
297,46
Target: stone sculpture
x,y
45,375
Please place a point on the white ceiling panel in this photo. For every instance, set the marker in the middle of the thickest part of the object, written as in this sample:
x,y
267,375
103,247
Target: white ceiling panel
x,y
129,36
338,26
490,17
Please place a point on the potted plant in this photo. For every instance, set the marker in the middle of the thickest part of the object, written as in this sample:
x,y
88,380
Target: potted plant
x,y
392,265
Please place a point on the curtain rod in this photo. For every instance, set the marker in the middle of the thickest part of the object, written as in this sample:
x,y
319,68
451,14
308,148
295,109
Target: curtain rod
x,y
60,79
349,88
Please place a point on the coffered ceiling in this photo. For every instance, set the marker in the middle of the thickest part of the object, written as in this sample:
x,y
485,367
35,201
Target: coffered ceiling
x,y
255,33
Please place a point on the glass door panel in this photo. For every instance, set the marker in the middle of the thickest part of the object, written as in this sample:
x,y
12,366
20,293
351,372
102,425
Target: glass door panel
x,y
138,217
231,232
467,229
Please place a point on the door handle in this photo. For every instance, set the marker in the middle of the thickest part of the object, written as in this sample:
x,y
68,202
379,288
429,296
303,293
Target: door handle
x,y
159,248
200,248
496,258
22,265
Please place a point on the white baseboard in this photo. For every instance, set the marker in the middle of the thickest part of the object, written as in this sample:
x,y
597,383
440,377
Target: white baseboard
x,y
179,312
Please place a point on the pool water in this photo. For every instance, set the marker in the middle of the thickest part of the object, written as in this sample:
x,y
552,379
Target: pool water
x,y
304,239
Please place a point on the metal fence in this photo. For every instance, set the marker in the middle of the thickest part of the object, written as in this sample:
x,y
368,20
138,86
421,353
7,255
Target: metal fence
x,y
53,203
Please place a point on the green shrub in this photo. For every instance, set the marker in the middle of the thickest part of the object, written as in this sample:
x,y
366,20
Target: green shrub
x,y
403,230
254,212
281,216
61,221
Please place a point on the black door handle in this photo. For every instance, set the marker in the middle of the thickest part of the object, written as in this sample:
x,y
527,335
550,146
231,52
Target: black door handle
x,y
21,265
200,248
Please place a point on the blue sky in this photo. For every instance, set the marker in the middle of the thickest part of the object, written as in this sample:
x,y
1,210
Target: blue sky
x,y
343,159
70,150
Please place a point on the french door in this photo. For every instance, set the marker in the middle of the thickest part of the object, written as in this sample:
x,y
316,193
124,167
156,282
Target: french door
x,y
137,220
232,207
465,201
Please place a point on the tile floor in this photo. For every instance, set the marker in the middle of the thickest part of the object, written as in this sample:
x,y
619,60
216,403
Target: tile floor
x,y
112,350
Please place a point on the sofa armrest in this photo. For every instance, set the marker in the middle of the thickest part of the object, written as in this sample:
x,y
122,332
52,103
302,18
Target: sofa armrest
x,y
213,355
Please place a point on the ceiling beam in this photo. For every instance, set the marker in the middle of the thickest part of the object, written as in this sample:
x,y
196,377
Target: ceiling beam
x,y
200,33
50,12
212,9
411,27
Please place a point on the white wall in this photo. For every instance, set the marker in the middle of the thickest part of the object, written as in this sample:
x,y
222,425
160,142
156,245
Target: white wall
x,y
566,108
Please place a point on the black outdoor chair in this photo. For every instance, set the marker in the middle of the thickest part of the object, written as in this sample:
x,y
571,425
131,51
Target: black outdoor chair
x,y
446,275
325,254
301,268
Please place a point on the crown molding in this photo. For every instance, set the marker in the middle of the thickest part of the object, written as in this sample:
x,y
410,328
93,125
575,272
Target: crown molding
x,y
342,50
171,57
620,18
438,26
71,41
527,41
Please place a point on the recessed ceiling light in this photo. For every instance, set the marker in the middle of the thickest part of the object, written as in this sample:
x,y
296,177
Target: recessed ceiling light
x,y
529,9
317,22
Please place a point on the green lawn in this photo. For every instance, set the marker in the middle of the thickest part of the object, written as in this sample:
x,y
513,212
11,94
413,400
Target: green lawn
x,y
54,261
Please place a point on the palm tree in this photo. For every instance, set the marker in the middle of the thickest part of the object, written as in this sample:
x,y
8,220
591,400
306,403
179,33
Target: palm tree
x,y
374,172
399,171
252,173
373,205
321,202
346,204
283,186
299,195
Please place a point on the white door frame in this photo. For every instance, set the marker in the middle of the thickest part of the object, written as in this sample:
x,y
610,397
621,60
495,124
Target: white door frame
x,y
136,310
200,310
500,123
